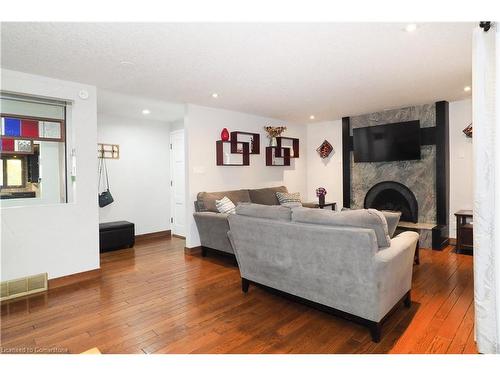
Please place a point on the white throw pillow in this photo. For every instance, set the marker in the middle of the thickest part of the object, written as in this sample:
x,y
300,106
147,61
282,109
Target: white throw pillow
x,y
225,206
289,199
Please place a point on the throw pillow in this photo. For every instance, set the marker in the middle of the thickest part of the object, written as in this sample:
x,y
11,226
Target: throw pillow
x,y
392,218
289,199
225,206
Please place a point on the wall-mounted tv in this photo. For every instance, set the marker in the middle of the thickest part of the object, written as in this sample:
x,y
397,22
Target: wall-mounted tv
x,y
391,142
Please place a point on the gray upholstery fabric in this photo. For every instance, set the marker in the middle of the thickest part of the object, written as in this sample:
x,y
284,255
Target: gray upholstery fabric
x,y
213,228
291,204
266,195
336,266
392,218
371,219
206,201
210,226
263,211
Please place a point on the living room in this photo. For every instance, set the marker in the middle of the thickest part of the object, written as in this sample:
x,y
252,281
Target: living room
x,y
342,182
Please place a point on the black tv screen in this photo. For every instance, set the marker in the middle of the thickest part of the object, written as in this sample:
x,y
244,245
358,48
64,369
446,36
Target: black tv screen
x,y
391,142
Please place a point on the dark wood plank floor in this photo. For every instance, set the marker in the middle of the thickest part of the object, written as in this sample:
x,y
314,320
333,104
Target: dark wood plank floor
x,y
155,299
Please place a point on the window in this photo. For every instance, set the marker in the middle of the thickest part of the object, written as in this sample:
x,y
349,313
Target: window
x,y
14,171
33,150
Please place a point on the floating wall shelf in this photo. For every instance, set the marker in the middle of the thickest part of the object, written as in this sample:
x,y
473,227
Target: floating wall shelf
x,y
243,150
239,137
292,144
274,154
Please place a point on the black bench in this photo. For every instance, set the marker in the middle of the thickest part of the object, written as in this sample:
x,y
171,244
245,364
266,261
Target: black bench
x,y
116,235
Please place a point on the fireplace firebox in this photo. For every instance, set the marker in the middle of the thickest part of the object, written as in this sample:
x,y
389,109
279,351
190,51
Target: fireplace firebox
x,y
393,196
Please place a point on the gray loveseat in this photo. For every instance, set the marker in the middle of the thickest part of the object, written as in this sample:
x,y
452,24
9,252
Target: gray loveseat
x,y
345,262
213,226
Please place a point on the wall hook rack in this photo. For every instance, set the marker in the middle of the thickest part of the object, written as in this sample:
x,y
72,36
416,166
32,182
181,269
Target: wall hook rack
x,y
108,151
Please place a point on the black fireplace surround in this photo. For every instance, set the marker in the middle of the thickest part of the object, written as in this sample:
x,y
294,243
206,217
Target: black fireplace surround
x,y
393,196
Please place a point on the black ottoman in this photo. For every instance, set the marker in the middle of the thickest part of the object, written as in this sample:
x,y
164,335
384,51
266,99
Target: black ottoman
x,y
116,235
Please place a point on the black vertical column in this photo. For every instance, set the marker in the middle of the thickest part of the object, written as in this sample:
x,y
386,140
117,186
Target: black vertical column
x,y
346,161
440,234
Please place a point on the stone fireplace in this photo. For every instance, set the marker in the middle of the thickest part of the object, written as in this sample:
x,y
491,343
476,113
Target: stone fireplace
x,y
393,196
418,176
417,188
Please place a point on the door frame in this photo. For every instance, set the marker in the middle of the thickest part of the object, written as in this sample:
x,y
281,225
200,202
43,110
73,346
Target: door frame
x,y
172,195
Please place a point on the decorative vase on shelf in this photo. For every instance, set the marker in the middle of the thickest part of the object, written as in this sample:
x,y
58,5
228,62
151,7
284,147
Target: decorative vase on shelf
x,y
224,135
273,142
321,193
321,199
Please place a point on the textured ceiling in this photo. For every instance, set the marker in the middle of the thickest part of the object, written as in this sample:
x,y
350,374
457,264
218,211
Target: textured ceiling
x,y
286,71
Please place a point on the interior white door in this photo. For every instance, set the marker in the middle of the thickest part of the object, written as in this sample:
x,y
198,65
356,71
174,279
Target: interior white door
x,y
177,183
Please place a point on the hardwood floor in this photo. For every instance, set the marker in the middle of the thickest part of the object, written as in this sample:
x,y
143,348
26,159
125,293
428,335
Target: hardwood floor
x,y
155,299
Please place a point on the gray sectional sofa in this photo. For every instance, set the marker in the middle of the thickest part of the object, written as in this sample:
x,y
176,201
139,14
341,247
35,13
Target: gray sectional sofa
x,y
213,226
344,261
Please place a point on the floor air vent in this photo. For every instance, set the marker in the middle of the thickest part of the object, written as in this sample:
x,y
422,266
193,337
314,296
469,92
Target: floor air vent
x,y
23,286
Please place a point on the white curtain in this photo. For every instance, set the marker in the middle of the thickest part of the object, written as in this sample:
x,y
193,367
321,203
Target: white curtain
x,y
486,128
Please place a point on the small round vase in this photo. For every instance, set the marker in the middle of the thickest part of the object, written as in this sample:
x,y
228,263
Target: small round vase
x,y
224,135
273,142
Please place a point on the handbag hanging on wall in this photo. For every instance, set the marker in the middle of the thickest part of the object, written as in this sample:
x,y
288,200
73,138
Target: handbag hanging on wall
x,y
105,198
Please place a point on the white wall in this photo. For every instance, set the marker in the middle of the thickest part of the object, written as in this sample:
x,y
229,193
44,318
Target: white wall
x,y
461,161
62,238
176,125
203,126
140,179
327,172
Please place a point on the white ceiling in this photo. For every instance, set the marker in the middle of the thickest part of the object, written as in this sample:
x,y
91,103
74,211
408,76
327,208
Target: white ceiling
x,y
287,71
131,107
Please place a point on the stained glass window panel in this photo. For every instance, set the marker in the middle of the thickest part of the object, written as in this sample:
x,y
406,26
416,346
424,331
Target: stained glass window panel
x,y
12,127
29,128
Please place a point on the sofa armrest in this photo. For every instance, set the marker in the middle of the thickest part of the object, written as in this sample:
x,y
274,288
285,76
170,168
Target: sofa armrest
x,y
209,215
401,246
393,270
213,228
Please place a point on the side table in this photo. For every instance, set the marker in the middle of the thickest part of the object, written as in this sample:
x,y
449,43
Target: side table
x,y
464,232
333,205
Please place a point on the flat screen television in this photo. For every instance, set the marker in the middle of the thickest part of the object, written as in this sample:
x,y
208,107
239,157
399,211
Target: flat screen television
x,y
391,142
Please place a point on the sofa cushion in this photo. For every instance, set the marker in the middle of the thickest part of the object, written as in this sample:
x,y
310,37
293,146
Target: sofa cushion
x,y
264,211
392,218
370,218
288,198
266,195
206,201
225,206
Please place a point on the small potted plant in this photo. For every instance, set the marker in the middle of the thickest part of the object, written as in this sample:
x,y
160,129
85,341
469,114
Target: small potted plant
x,y
320,193
273,132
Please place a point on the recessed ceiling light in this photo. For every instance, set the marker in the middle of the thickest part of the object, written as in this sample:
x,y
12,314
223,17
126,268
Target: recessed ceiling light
x,y
146,111
467,88
311,117
411,27
215,95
